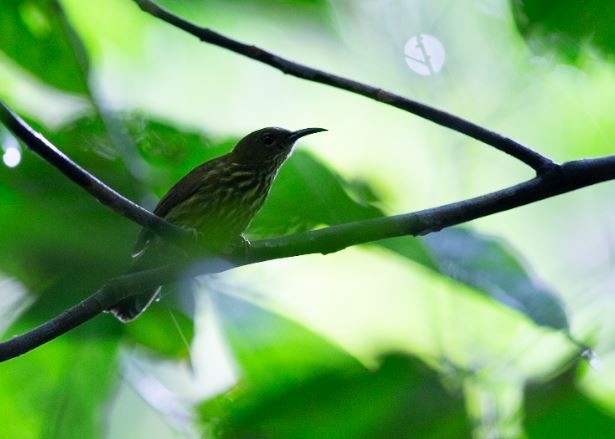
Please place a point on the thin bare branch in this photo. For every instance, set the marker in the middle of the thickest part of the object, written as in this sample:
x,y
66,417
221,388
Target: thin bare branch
x,y
515,149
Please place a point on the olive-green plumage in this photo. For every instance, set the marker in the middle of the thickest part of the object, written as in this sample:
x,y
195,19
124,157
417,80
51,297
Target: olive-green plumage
x,y
217,199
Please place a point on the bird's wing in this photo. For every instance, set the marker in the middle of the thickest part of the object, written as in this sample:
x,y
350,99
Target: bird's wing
x,y
181,191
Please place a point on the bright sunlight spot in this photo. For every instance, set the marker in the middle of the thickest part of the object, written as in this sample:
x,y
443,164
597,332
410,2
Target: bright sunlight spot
x,y
12,152
425,54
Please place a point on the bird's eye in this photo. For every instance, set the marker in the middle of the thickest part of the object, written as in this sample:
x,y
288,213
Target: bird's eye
x,y
268,139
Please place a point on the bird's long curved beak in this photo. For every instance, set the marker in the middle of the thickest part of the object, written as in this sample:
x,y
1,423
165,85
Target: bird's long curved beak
x,y
304,132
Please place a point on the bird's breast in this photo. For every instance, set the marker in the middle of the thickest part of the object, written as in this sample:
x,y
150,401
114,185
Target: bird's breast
x,y
224,206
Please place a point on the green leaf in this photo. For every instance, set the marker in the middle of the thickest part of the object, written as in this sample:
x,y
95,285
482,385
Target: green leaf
x,y
308,194
164,331
53,232
297,6
264,342
567,26
557,409
402,398
487,265
59,390
170,151
36,35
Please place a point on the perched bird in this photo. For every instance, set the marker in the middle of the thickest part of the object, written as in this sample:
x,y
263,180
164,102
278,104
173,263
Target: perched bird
x,y
217,200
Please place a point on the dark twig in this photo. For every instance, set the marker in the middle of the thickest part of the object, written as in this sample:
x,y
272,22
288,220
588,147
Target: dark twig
x,y
85,310
526,155
566,178
103,193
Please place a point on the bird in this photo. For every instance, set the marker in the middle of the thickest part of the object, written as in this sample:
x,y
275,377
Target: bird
x,y
216,200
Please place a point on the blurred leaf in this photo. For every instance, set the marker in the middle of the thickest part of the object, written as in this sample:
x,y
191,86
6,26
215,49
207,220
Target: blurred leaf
x,y
557,409
292,2
488,266
54,233
171,151
303,7
35,34
401,399
272,350
166,332
308,194
59,390
298,5
567,26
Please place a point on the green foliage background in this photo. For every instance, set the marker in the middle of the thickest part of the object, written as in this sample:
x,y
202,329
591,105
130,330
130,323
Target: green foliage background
x,y
469,331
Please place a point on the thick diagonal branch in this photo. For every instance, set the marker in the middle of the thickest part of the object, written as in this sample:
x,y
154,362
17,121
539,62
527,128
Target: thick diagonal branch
x,y
521,152
565,178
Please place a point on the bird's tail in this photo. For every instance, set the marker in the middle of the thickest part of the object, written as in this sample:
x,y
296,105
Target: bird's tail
x,y
131,307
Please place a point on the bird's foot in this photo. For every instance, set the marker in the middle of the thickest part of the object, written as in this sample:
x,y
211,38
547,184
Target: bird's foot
x,y
238,248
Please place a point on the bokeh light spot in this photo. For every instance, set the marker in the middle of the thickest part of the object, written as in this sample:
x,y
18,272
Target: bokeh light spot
x,y
11,156
425,54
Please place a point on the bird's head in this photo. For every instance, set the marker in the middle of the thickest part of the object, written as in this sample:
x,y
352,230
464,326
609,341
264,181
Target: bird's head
x,y
269,144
